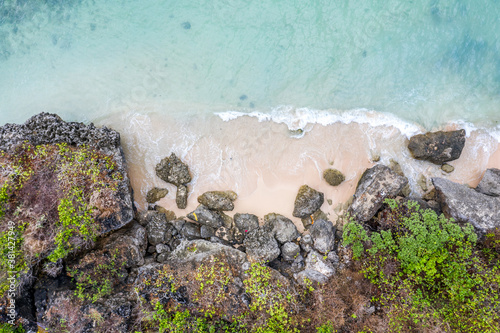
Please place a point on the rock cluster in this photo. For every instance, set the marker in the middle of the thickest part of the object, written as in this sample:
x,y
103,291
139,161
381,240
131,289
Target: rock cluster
x,y
172,170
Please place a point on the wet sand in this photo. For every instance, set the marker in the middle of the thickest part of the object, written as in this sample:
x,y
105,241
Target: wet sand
x,y
266,165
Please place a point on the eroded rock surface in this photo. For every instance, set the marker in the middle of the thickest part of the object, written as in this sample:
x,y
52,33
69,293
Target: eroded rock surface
x,y
467,205
490,183
205,216
323,234
281,227
376,184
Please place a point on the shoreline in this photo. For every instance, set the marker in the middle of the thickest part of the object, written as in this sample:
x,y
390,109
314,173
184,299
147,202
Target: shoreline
x,y
265,164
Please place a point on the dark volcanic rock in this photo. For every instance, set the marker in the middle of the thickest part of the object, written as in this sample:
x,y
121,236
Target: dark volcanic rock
x,y
376,184
218,200
323,234
246,222
281,227
191,231
156,194
308,201
203,215
156,226
172,170
467,205
290,251
333,177
261,245
437,147
181,196
490,183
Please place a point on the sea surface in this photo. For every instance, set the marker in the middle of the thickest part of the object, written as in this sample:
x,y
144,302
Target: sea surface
x,y
260,96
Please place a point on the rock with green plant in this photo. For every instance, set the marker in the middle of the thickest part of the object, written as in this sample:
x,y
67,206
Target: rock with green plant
x,y
62,186
430,271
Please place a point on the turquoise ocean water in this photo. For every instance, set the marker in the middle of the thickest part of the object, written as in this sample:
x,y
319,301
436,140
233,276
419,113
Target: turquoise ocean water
x,y
426,62
179,75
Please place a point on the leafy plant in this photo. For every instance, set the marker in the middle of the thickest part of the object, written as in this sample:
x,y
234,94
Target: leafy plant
x,y
428,268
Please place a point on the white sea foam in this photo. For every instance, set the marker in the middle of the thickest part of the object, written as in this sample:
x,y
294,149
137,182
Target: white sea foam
x,y
299,118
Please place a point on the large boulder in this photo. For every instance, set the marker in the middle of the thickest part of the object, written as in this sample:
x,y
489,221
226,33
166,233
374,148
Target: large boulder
x,y
323,234
172,170
437,147
218,200
375,185
261,245
490,183
308,201
281,227
205,216
467,205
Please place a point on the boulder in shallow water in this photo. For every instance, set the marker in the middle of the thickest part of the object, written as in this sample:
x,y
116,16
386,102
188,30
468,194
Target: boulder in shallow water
x,y
490,183
172,170
218,200
376,184
467,205
261,246
308,201
437,147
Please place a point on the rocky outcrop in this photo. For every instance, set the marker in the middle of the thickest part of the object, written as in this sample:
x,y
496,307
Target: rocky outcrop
x,y
103,300
156,194
323,235
490,183
280,227
467,205
156,225
261,246
218,200
375,185
74,190
308,201
437,147
333,177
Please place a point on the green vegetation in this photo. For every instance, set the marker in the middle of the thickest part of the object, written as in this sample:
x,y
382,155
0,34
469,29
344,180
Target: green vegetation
x,y
51,195
96,277
7,328
430,271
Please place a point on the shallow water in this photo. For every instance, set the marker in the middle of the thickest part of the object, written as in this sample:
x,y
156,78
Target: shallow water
x,y
322,82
